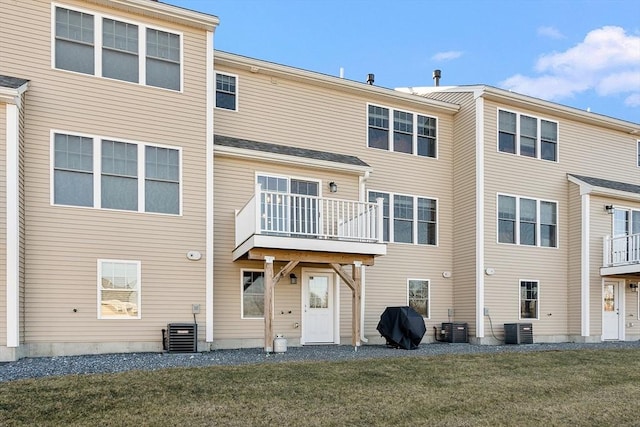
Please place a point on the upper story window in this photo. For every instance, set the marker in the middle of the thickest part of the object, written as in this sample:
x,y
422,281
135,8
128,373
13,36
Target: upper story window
x,y
226,91
527,136
118,289
412,133
413,219
91,43
109,174
525,221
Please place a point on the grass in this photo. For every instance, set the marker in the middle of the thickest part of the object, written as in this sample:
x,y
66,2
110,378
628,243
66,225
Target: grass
x,y
587,387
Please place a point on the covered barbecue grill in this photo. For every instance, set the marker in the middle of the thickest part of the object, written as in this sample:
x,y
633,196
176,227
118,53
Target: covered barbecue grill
x,y
402,327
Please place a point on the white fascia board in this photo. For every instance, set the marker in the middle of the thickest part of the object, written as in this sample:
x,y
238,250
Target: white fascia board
x,y
165,12
273,69
586,188
11,95
223,150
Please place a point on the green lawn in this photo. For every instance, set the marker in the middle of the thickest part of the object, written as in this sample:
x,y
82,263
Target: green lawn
x,y
577,388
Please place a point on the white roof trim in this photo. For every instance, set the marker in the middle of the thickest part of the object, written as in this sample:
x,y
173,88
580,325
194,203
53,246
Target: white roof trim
x,y
11,95
223,150
586,188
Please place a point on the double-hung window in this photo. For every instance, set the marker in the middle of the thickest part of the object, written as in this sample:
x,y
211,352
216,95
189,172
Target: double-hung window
x,y
529,299
119,293
111,174
226,91
413,219
418,296
401,131
100,45
528,136
527,221
252,294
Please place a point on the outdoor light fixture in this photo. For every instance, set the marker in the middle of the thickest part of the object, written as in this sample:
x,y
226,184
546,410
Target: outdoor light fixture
x,y
633,287
293,279
609,209
333,187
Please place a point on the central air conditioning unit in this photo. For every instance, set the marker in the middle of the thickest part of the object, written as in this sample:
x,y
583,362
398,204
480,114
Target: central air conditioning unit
x,y
518,333
182,337
455,332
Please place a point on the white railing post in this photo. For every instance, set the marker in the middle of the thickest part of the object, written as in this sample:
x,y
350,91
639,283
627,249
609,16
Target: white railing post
x,y
380,219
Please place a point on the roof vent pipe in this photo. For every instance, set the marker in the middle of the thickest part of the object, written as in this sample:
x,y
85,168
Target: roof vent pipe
x,y
370,78
436,77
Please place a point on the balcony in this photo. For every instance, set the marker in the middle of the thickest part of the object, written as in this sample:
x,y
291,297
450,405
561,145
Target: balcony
x,y
621,255
308,223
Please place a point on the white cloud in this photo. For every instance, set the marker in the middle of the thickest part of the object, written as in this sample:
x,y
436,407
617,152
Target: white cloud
x,y
607,61
550,32
447,56
633,100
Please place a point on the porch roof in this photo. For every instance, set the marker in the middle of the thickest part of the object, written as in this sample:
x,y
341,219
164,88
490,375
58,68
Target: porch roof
x,y
12,82
605,186
289,151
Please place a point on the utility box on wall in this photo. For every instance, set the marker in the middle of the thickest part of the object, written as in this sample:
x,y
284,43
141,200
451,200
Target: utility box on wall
x,y
455,332
518,333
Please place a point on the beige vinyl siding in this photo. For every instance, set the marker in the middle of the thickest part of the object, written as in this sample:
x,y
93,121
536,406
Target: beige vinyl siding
x,y
632,308
64,243
3,224
21,214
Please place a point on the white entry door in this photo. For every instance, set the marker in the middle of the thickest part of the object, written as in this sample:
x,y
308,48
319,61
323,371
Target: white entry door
x,y
611,316
318,308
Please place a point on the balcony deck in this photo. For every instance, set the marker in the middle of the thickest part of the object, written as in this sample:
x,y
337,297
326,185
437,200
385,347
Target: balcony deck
x,y
275,220
621,255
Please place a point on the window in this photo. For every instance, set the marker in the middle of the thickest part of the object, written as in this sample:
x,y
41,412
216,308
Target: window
x,y
527,136
119,174
74,41
412,133
226,91
252,294
418,296
163,59
528,299
412,220
115,51
296,211
526,221
118,289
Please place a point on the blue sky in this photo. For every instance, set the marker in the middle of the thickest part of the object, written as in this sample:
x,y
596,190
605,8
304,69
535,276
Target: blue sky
x,y
585,54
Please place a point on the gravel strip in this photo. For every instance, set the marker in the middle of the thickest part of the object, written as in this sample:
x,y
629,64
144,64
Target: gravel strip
x,y
109,363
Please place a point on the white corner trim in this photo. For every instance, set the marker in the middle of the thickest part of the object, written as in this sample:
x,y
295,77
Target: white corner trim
x,y
210,97
584,269
13,227
479,215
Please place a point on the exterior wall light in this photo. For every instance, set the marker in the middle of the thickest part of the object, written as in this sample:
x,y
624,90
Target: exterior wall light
x,y
333,187
610,209
293,279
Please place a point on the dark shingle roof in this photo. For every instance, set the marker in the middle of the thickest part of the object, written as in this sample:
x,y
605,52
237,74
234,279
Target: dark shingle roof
x,y
11,82
228,141
605,183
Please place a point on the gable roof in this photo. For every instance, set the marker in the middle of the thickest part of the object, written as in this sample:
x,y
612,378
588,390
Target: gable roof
x,y
267,150
12,82
605,186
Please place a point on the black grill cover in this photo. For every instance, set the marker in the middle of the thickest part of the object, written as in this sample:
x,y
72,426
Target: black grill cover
x,y
402,327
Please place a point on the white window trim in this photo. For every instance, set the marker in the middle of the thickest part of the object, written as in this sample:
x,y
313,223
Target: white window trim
x,y
215,84
97,46
428,294
517,220
520,300
139,281
97,172
242,271
538,135
414,135
415,217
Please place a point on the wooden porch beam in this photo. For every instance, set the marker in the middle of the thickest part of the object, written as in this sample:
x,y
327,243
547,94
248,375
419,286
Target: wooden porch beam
x,y
355,283
310,256
284,271
338,269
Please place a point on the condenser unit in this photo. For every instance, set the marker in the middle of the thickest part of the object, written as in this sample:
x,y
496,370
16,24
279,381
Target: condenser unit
x,y
182,337
518,333
455,332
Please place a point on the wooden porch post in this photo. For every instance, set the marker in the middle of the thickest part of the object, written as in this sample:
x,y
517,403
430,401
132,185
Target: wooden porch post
x,y
356,303
268,303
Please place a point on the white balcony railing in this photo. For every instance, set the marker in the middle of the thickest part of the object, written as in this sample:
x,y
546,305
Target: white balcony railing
x,y
621,250
300,216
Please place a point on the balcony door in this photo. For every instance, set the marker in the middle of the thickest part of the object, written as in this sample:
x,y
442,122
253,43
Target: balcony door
x,y
289,205
625,223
